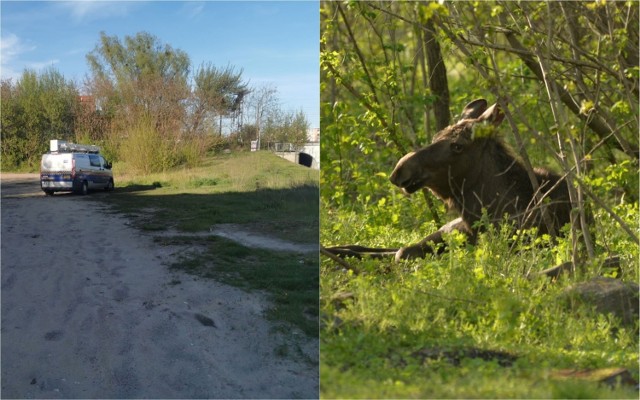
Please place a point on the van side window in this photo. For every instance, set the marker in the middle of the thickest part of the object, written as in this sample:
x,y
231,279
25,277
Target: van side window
x,y
94,160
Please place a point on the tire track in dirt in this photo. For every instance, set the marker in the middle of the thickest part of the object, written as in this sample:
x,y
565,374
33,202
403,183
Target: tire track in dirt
x,y
246,237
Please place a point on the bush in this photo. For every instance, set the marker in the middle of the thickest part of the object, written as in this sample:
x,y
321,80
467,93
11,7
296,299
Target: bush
x,y
146,151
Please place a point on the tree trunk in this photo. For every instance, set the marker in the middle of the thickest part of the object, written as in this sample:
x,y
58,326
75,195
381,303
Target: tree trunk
x,y
437,77
439,86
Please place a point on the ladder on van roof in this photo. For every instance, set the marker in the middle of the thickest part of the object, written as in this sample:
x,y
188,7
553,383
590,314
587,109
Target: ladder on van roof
x,y
61,146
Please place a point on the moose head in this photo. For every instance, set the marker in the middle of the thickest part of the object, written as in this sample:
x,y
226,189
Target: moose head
x,y
453,154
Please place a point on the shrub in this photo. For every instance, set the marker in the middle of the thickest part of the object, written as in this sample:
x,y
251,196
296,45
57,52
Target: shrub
x,y
145,150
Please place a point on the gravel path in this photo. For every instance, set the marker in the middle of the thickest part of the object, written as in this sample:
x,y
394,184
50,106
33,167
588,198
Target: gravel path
x,y
90,310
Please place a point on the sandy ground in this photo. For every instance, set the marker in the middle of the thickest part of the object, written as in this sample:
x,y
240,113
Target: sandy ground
x,y
240,234
90,310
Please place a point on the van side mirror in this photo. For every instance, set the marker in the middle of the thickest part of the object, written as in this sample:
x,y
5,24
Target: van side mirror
x,y
107,165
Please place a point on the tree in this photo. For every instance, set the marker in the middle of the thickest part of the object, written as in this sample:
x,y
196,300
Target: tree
x,y
272,124
247,133
140,77
579,85
217,93
36,109
286,127
580,52
298,128
261,103
374,70
146,92
566,75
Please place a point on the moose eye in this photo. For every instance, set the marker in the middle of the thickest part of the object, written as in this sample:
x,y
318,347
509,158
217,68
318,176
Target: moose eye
x,y
456,147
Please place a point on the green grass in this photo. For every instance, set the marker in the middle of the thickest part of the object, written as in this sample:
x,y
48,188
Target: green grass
x,y
260,191
389,330
269,194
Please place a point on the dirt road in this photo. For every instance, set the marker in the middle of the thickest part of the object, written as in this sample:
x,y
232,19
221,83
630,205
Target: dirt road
x,y
89,309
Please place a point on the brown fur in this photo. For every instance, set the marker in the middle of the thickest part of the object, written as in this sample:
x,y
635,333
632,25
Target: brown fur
x,y
473,171
476,172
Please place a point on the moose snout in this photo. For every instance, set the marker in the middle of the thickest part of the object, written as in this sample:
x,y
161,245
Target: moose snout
x,y
405,179
401,175
409,175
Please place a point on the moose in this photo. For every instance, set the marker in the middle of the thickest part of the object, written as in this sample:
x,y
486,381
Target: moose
x,y
474,171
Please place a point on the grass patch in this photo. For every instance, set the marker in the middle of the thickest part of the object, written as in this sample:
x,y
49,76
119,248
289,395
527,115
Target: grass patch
x,y
259,190
467,324
270,194
200,182
290,279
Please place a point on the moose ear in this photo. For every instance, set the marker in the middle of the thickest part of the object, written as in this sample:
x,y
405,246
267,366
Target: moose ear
x,y
492,114
474,109
489,120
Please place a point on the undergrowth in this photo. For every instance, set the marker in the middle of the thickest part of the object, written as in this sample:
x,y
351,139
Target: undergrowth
x,y
388,330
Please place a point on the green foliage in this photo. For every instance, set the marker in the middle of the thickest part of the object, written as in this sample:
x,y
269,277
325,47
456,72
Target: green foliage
x,y
144,107
473,297
374,96
376,104
140,58
286,127
35,109
219,90
612,178
145,150
156,119
380,317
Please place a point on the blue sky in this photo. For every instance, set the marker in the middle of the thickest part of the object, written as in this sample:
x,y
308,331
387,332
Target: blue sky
x,y
274,43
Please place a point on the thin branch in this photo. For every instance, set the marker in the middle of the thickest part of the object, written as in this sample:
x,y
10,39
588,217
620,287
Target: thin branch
x,y
363,62
339,260
608,209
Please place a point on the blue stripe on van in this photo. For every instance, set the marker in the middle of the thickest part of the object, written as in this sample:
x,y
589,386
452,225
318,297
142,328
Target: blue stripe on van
x,y
55,176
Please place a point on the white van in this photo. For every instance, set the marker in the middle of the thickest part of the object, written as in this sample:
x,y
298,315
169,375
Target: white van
x,y
70,167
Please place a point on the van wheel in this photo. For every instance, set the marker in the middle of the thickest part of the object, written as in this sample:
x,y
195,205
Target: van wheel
x,y
110,186
48,192
84,190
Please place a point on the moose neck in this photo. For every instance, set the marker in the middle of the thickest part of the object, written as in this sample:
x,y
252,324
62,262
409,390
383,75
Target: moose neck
x,y
496,182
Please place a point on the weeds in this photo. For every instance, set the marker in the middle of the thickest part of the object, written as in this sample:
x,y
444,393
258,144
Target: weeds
x,y
474,322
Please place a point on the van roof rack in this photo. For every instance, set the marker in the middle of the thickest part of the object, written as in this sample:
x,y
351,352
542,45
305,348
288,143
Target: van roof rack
x,y
65,147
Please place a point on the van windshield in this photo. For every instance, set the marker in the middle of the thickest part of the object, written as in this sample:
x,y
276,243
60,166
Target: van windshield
x,y
94,160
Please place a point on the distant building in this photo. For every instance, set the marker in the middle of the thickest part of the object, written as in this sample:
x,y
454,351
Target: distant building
x,y
88,102
313,135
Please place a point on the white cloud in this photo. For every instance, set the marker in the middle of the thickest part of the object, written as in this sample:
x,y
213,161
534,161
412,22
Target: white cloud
x,y
38,65
13,62
11,47
89,10
192,8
